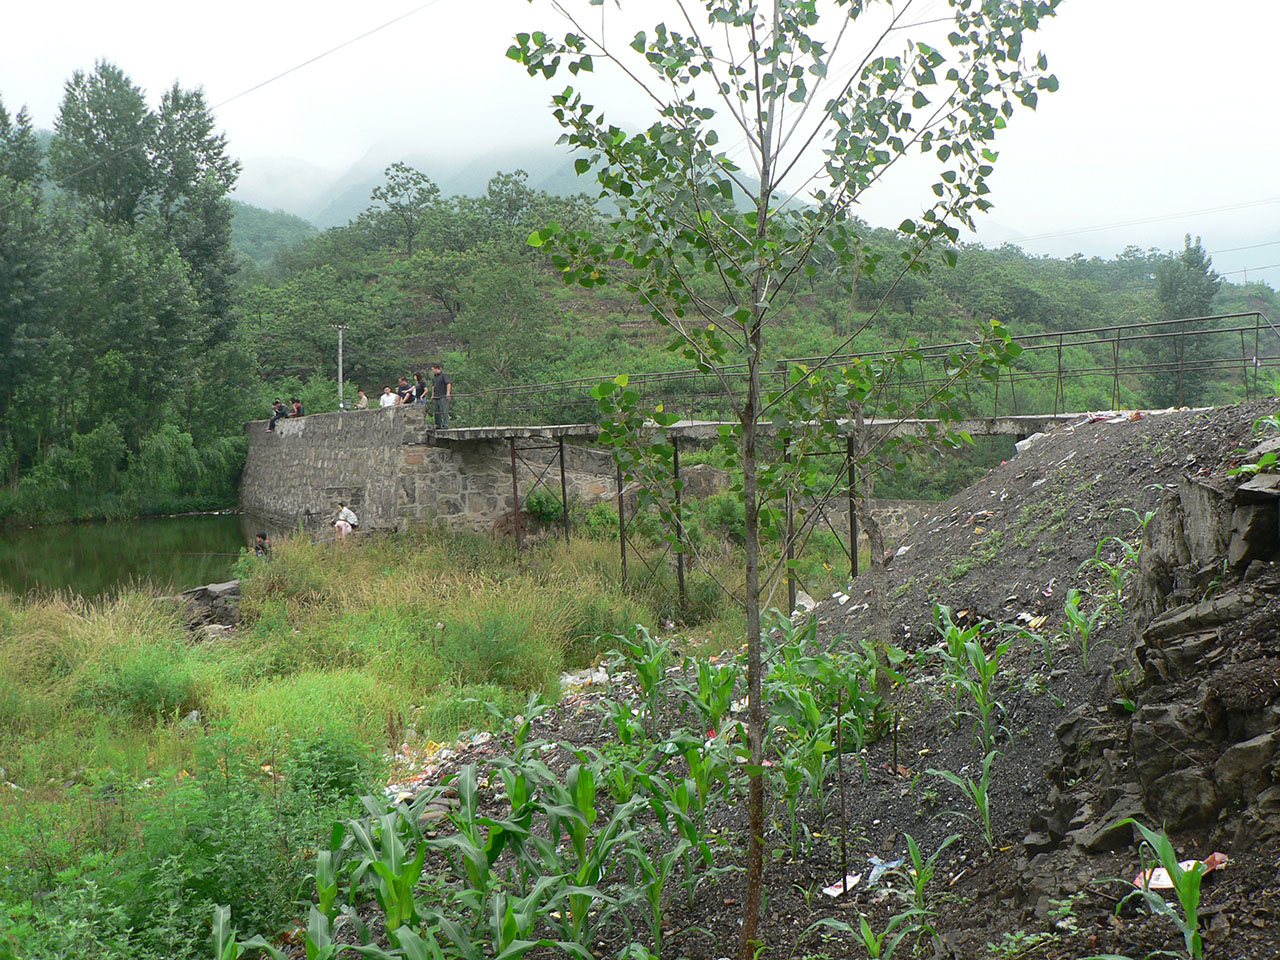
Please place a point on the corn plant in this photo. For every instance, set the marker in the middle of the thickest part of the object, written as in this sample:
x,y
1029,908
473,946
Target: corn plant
x,y
590,855
395,875
622,718
713,693
1186,884
227,947
1118,571
1080,626
510,925
922,871
877,946
655,872
970,669
518,727
477,841
976,791
648,659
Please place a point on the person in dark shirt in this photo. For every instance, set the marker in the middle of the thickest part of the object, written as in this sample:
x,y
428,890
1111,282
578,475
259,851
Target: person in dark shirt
x,y
297,407
404,391
421,392
277,411
262,546
441,392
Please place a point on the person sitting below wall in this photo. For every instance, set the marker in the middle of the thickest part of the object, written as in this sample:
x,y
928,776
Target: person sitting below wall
x,y
262,546
345,521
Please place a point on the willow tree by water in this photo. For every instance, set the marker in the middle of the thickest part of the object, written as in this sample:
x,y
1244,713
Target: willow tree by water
x,y
821,99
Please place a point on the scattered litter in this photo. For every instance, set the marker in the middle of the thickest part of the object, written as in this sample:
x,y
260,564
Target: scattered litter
x,y
804,604
840,598
1048,591
590,677
842,886
880,867
1022,445
1157,878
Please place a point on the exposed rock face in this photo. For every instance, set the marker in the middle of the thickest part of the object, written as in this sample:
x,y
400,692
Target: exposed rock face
x,y
212,609
1202,745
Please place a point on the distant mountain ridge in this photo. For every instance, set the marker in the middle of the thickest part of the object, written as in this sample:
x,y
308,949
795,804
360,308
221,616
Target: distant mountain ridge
x,y
329,199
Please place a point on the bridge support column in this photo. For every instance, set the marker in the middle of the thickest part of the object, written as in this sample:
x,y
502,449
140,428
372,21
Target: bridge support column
x,y
515,495
622,528
851,470
791,536
675,473
564,492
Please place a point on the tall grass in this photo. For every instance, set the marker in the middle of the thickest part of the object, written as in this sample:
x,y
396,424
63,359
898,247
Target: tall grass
x,y
148,760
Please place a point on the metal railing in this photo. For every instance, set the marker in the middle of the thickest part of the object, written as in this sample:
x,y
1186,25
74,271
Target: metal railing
x,y
1149,363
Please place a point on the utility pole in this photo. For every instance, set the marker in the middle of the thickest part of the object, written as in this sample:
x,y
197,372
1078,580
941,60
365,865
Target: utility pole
x,y
341,401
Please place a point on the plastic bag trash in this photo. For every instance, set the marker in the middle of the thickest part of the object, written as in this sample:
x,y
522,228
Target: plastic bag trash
x,y
840,886
1157,878
1022,445
879,867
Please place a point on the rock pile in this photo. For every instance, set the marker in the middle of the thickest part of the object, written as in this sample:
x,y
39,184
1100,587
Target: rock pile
x,y
1194,740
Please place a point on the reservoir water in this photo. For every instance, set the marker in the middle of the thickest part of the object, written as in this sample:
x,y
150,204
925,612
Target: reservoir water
x,y
168,553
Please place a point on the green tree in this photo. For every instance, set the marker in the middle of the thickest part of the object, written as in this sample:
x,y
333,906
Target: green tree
x,y
20,153
102,140
770,73
408,196
1186,284
24,297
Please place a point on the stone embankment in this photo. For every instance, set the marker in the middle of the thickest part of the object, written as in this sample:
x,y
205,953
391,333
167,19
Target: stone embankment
x,y
1194,742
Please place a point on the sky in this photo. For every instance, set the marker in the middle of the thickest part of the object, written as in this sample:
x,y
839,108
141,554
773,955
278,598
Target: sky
x,y
1164,123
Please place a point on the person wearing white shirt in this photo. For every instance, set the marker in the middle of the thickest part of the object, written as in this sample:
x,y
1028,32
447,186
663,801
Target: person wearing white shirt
x,y
345,521
388,399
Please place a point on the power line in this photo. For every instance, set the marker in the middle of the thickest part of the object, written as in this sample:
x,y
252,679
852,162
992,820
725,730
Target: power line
x,y
258,86
1252,246
1269,266
321,56
1142,220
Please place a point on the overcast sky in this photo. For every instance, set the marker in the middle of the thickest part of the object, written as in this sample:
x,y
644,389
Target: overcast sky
x,y
1166,107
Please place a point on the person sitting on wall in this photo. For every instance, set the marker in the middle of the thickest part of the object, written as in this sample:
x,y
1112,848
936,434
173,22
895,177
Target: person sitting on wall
x,y
345,521
388,399
277,411
297,407
404,392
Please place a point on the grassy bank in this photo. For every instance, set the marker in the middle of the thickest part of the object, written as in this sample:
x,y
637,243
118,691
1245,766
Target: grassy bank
x,y
151,775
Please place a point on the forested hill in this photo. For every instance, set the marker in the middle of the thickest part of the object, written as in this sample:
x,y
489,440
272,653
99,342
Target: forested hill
x,y
260,234
145,316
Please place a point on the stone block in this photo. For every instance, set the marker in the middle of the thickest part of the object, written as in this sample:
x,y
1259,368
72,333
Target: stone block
x,y
1255,534
1244,769
1184,798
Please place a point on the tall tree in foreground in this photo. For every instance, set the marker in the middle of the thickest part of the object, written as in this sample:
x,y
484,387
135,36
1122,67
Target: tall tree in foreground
x,y
825,99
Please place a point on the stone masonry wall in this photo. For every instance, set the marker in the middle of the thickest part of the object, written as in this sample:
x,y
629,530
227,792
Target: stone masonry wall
x,y
384,463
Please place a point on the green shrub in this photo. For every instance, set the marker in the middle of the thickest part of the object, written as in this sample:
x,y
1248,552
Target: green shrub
x,y
147,682
544,506
328,765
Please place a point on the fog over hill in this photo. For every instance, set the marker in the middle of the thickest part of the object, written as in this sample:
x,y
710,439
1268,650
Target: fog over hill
x,y
329,198
332,197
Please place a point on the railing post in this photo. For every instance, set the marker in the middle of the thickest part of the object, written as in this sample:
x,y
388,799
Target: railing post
x,y
677,484
791,534
853,514
1180,347
1115,371
1057,390
564,492
515,496
622,528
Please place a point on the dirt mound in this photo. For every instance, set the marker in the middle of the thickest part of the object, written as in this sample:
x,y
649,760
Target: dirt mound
x,y
1173,719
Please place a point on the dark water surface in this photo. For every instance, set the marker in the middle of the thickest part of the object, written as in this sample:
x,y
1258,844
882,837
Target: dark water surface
x,y
170,553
